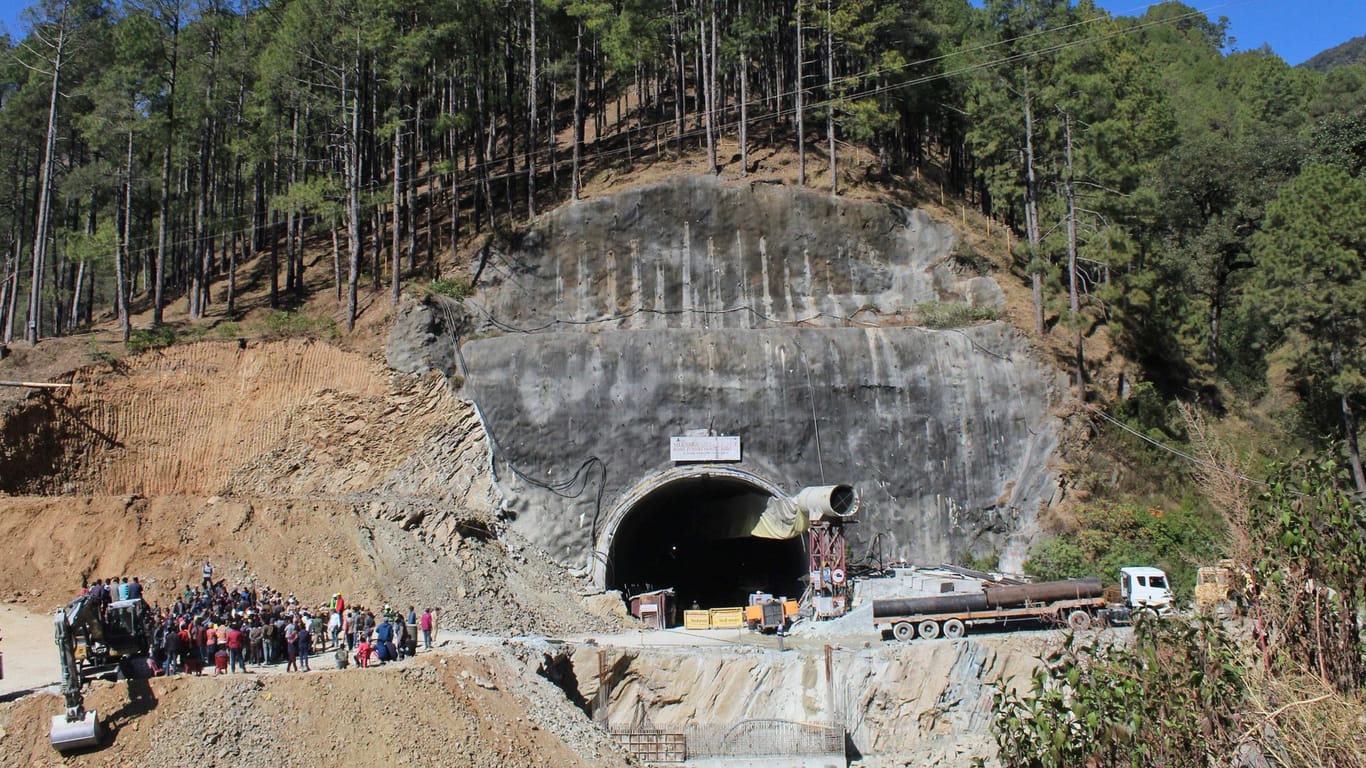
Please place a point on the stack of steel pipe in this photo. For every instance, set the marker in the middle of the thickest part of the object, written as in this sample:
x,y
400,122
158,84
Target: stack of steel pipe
x,y
992,597
915,606
1047,592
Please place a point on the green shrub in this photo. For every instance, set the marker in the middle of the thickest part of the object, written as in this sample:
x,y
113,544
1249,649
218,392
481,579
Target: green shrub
x,y
151,338
284,324
971,260
1175,697
1106,538
228,330
102,355
456,287
1055,559
954,314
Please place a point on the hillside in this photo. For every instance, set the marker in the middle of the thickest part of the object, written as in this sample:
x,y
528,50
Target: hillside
x,y
1350,53
416,301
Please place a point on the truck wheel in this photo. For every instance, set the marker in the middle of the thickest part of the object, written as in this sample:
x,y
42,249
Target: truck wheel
x,y
903,631
929,629
1079,621
954,629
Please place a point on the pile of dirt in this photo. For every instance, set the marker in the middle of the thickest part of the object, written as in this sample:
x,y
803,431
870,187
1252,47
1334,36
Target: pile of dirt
x,y
478,709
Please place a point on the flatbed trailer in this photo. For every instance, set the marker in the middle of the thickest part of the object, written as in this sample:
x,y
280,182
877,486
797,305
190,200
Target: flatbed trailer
x,y
1076,602
1079,614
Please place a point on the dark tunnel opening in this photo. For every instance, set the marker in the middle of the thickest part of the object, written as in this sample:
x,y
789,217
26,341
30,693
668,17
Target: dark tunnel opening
x,y
682,535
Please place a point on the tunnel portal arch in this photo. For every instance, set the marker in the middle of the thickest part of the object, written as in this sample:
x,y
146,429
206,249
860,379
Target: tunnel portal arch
x,y
671,531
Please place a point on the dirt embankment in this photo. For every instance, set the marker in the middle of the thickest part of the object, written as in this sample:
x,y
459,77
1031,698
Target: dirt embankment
x,y
479,709
291,464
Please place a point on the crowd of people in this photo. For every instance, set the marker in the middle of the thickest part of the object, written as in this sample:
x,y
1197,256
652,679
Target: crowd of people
x,y
225,629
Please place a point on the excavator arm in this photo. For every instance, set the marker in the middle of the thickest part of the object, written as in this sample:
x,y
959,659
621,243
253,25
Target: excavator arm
x,y
77,728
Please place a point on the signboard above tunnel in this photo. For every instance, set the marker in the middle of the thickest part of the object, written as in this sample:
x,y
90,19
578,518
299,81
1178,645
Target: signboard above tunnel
x,y
704,448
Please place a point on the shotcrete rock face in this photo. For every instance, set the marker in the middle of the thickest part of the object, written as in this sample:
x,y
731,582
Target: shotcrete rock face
x,y
776,315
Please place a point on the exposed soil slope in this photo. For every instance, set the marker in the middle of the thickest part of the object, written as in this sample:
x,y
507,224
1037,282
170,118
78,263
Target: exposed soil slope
x,y
290,464
482,710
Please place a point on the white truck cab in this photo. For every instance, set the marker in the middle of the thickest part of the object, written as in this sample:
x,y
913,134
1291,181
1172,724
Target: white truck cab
x,y
1145,587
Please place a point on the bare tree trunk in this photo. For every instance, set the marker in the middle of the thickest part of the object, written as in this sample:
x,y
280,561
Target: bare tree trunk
x,y
353,197
410,192
35,306
801,139
76,295
453,151
704,81
203,253
830,94
744,100
336,263
273,230
125,236
395,263
164,208
1032,234
676,48
578,112
532,139
9,283
292,215
1349,426
11,309
1073,295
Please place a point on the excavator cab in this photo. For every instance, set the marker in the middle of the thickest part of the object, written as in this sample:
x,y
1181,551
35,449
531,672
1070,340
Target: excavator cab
x,y
92,644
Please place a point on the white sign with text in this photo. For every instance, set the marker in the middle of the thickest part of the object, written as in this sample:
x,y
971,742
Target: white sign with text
x,y
704,448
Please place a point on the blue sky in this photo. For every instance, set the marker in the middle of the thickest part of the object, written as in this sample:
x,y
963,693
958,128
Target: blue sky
x,y
1295,29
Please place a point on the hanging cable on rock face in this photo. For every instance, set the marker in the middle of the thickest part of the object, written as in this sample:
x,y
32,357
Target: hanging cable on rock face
x,y
571,488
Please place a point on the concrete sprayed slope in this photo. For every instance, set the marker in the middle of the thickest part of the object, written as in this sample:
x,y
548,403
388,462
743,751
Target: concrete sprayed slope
x,y
695,253
945,433
778,315
465,711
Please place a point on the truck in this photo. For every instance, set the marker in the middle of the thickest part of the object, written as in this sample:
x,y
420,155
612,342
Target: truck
x,y
1078,603
94,641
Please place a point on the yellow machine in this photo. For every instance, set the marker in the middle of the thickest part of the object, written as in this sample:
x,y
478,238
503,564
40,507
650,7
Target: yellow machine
x,y
768,615
1222,589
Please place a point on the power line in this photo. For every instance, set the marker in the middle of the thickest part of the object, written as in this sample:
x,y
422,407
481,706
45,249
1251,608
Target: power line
x,y
1210,465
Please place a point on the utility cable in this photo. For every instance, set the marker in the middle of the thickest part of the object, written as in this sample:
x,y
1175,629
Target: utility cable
x,y
1174,451
571,488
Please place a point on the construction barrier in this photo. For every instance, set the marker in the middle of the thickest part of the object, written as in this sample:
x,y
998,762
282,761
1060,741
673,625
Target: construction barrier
x,y
727,618
697,619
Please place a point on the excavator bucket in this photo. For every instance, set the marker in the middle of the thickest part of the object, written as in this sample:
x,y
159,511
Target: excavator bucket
x,y
81,734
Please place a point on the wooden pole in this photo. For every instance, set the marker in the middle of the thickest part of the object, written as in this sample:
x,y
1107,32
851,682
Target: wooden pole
x,y
34,384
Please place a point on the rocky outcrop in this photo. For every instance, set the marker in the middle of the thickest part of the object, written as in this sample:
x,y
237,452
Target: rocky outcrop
x,y
921,704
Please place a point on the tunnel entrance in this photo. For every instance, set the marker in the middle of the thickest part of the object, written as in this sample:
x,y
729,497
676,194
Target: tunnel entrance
x,y
681,535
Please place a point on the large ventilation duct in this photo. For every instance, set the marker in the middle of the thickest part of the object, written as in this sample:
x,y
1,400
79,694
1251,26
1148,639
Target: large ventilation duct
x,y
828,502
790,517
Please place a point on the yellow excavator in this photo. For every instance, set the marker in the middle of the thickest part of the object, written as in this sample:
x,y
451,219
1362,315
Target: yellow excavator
x,y
1223,589
96,643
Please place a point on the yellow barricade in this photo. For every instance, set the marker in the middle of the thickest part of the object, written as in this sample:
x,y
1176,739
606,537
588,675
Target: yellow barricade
x,y
697,620
727,618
